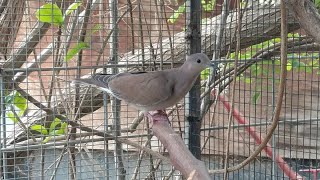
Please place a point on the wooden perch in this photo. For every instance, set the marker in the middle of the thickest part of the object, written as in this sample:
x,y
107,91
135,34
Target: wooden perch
x,y
181,158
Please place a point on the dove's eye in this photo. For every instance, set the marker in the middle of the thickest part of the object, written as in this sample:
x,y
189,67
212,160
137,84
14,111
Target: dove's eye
x,y
198,61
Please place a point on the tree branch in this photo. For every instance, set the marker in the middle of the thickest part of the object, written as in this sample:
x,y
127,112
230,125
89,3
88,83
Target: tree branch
x,y
307,15
181,158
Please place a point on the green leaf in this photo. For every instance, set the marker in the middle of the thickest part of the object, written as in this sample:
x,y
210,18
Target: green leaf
x,y
247,80
265,72
308,69
20,101
64,126
72,7
50,13
47,139
289,66
96,28
243,4
204,74
9,99
294,35
256,97
16,99
205,20
258,46
60,131
232,55
11,116
277,62
246,55
277,40
54,131
39,128
54,124
174,17
57,132
314,64
300,65
72,52
208,6
303,67
317,3
255,70
277,70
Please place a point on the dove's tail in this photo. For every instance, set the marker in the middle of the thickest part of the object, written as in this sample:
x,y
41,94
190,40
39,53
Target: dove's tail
x,y
99,81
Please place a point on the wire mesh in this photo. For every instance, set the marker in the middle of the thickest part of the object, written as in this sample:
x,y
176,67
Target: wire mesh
x,y
54,129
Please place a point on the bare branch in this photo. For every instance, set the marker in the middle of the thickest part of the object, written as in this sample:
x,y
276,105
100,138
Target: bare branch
x,y
180,156
307,15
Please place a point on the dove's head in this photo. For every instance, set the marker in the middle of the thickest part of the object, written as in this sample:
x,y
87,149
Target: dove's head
x,y
198,62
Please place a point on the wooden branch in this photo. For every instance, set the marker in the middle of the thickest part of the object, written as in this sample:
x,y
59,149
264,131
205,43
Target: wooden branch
x,y
26,47
181,158
31,41
307,15
11,13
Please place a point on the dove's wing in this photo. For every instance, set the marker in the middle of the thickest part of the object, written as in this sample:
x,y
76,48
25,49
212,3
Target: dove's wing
x,y
142,89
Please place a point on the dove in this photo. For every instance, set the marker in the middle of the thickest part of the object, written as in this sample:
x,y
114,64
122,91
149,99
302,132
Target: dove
x,y
154,90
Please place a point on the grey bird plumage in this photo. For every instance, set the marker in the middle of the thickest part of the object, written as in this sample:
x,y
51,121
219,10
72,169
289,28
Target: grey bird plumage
x,y
149,91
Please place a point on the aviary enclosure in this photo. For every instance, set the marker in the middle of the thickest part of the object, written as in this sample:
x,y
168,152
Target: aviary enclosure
x,y
254,116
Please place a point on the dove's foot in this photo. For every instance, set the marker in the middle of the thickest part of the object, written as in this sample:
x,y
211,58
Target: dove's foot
x,y
159,115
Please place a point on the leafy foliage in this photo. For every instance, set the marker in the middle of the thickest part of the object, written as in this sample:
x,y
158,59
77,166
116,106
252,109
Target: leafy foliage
x,y
176,14
19,103
50,13
72,7
256,97
56,128
256,69
75,50
207,6
95,29
204,74
294,63
39,128
317,3
11,116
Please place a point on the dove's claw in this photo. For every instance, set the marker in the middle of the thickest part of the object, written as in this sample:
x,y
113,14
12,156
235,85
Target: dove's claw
x,y
159,115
